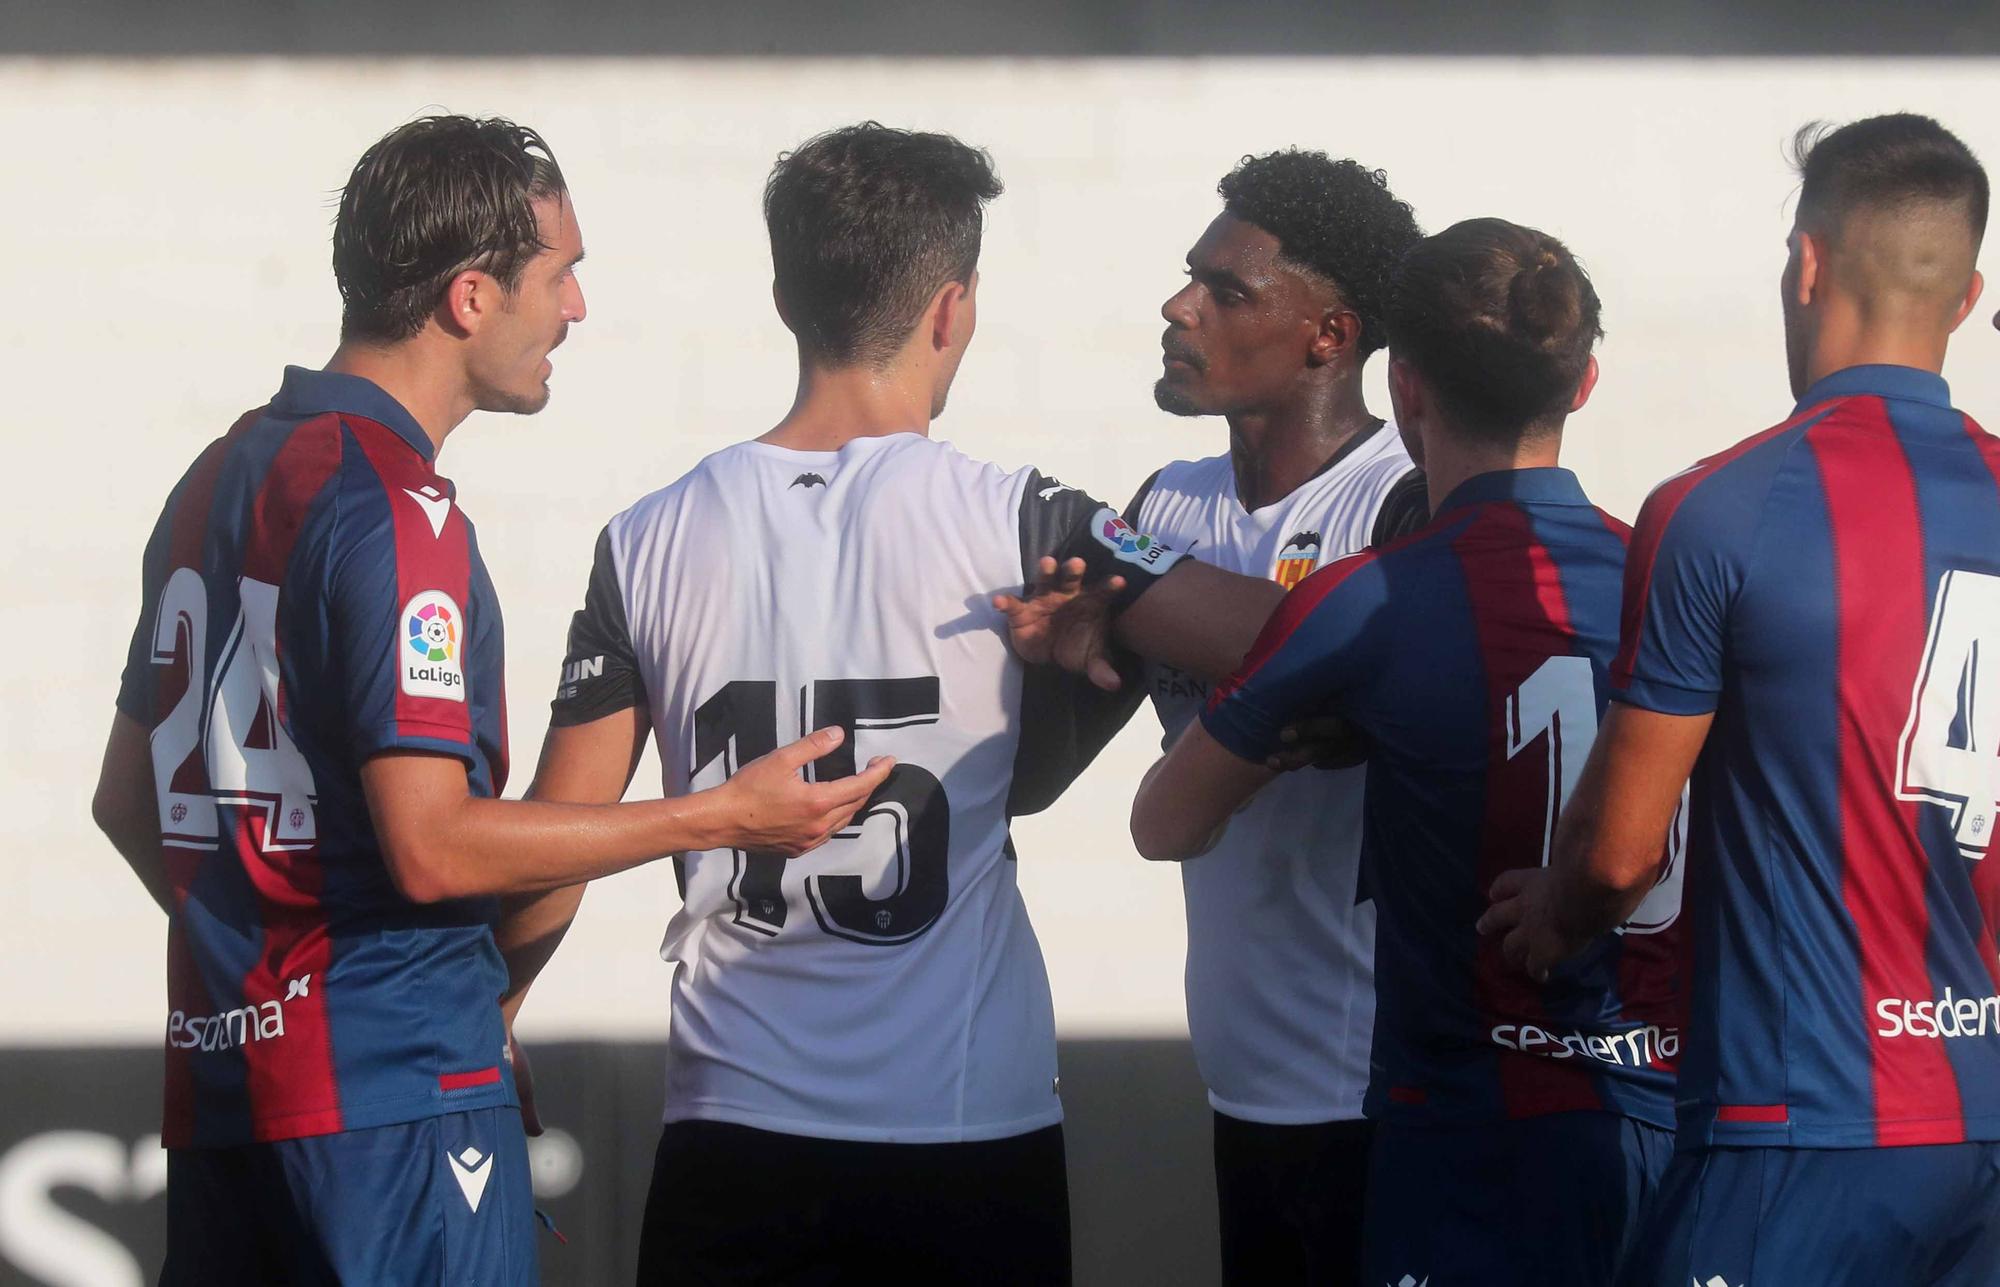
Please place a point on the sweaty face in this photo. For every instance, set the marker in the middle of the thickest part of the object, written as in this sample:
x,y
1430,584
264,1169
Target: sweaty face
x,y
1239,334
509,359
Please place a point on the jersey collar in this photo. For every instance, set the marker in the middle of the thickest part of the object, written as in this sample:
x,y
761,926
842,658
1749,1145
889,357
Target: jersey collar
x,y
1905,383
1547,486
311,393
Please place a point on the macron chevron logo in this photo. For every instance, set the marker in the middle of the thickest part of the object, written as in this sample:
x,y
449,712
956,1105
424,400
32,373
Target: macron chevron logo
x,y
472,1172
435,505
1717,1281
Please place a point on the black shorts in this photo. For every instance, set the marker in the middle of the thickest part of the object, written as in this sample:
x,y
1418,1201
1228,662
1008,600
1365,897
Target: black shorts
x,y
735,1205
1290,1200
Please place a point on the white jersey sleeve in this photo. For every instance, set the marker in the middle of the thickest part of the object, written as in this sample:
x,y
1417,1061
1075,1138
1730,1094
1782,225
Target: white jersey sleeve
x,y
886,986
1281,932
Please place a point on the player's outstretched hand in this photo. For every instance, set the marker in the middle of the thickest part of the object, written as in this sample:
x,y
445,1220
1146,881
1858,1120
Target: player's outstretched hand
x,y
1063,622
1520,911
524,1086
772,809
1319,742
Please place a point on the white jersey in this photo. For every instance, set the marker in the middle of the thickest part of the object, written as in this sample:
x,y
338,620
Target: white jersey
x,y
1281,936
886,986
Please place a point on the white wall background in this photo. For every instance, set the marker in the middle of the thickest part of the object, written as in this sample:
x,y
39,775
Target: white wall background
x,y
164,236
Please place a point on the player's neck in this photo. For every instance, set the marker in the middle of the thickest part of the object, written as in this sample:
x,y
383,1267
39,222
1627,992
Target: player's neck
x,y
1449,461
1840,346
1275,450
836,405
428,389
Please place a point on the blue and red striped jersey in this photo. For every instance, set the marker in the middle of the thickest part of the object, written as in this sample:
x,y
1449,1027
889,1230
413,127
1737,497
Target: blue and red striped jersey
x,y
314,596
1830,591
1475,654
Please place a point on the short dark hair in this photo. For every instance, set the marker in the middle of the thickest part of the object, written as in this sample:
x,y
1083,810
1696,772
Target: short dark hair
x,y
1499,320
429,200
866,223
1886,161
1335,219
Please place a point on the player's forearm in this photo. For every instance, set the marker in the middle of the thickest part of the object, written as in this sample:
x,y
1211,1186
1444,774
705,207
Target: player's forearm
x,y
484,847
1599,874
1166,825
1189,796
531,927
1199,618
1611,842
124,806
137,841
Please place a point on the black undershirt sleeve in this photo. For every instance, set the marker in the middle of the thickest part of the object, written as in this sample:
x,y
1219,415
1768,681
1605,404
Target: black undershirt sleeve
x,y
1065,719
1404,510
600,674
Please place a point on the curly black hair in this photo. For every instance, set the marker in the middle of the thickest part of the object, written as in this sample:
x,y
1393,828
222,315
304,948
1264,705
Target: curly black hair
x,y
1336,219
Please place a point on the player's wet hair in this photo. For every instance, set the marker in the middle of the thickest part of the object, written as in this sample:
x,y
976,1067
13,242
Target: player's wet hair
x,y
429,200
1499,320
1335,219
866,223
1886,162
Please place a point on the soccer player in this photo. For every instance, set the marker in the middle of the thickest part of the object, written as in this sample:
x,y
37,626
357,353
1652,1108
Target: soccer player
x,y
310,733
1283,306
861,1075
1519,1125
1808,619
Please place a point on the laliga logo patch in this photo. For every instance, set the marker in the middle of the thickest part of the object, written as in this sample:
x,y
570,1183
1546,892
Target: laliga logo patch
x,y
430,647
1128,546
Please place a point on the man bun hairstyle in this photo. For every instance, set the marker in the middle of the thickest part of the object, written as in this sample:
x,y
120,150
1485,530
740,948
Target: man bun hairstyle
x,y
866,223
429,200
1336,219
1885,162
1500,321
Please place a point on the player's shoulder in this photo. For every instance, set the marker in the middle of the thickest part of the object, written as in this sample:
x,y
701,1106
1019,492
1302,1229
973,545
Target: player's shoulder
x,y
718,472
1203,479
1721,500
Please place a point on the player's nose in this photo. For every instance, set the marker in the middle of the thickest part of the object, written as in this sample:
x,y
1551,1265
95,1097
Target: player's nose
x,y
1179,308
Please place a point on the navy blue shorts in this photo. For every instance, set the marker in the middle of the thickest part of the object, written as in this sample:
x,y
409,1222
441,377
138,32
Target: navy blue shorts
x,y
1912,1216
444,1200
1542,1202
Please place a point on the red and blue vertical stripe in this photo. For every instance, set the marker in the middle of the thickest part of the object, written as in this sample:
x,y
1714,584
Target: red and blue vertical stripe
x,y
1847,992
1425,644
308,996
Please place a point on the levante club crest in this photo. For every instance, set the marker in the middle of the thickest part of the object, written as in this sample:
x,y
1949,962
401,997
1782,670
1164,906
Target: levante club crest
x,y
1297,559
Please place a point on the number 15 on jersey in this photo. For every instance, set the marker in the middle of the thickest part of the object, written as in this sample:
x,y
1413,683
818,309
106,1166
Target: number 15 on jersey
x,y
740,723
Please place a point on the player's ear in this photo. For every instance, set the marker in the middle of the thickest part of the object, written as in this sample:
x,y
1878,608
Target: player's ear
x,y
1585,385
1971,300
1406,394
1339,332
469,297
950,309
1805,266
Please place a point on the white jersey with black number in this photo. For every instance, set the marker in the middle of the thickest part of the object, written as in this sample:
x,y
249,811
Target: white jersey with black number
x,y
886,986
1281,934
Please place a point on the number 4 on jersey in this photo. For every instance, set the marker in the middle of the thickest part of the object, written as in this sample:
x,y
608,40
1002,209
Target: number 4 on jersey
x,y
1947,755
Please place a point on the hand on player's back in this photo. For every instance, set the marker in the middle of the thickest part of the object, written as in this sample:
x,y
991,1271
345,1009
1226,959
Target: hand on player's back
x,y
1063,622
772,809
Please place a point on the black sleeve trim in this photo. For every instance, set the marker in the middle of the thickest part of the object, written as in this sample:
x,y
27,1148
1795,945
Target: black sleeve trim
x,y
600,674
1405,509
1061,522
